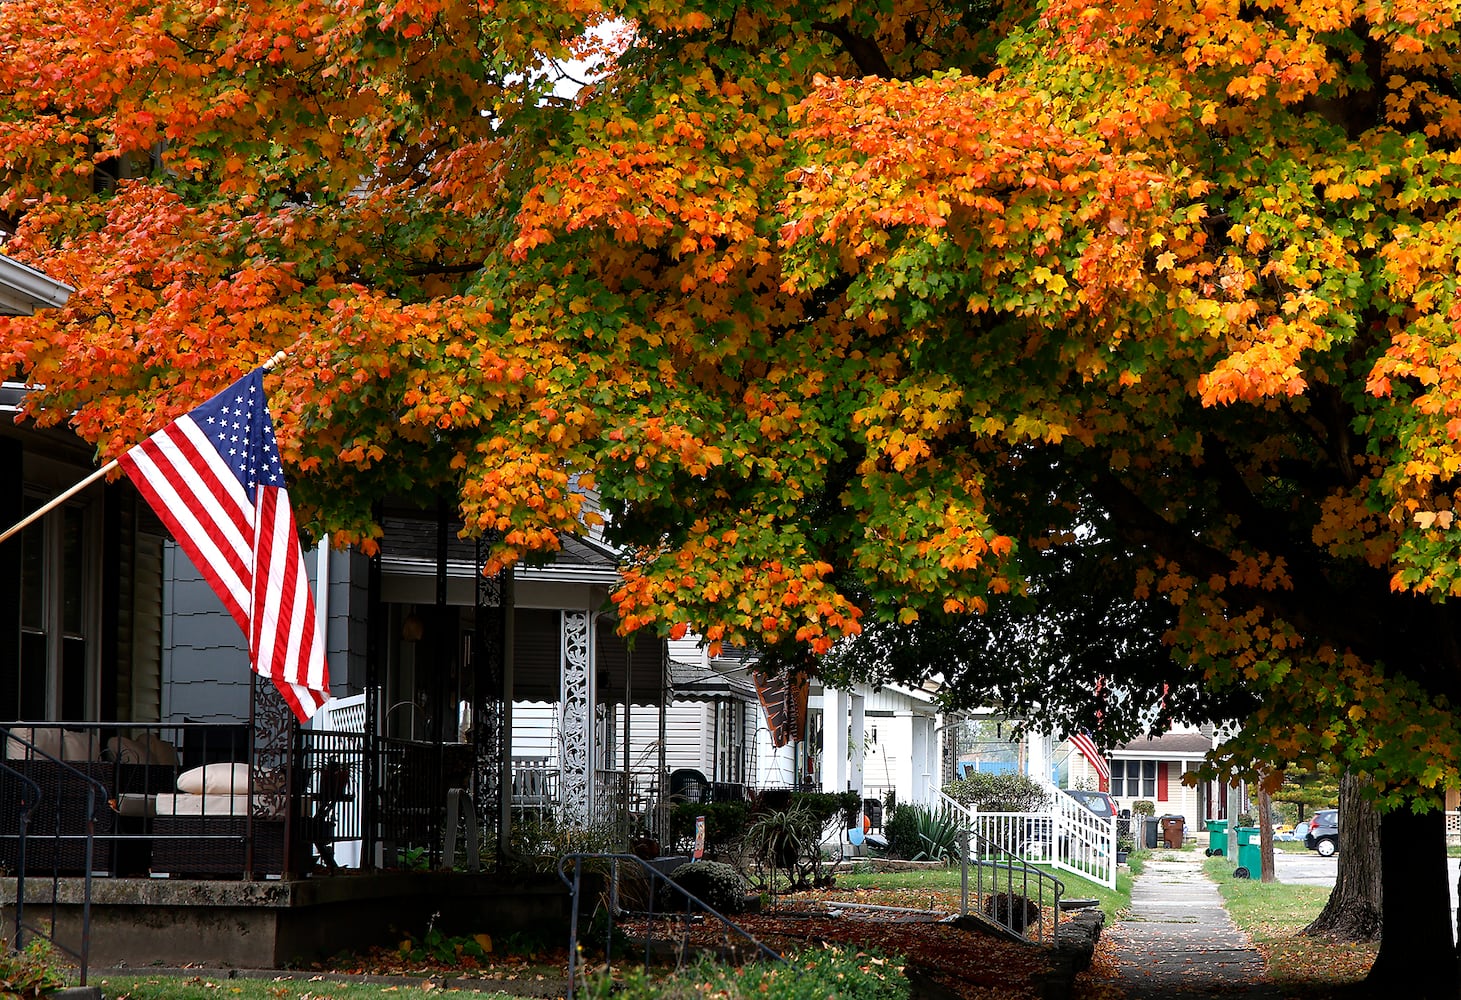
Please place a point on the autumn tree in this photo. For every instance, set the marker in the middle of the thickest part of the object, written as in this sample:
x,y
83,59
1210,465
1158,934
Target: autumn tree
x,y
850,313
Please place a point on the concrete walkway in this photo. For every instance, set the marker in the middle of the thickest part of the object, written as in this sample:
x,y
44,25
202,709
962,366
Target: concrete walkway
x,y
1179,941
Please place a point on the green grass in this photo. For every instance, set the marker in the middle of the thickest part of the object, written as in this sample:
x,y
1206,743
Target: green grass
x,y
946,881
135,986
1272,914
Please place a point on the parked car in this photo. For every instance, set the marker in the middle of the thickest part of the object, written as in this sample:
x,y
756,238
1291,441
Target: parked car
x,y
1323,833
1097,802
1295,833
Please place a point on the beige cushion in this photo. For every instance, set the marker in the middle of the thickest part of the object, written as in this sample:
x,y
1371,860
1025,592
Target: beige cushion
x,y
215,779
200,805
125,751
80,746
46,739
159,750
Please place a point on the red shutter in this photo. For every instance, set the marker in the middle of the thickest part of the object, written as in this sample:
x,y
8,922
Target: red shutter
x,y
1161,781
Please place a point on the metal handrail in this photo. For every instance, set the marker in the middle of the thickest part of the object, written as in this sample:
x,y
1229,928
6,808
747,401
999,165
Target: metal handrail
x,y
93,787
1008,875
28,801
575,885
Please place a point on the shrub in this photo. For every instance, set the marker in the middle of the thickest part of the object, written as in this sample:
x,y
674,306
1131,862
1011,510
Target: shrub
x,y
826,806
30,972
719,886
1143,807
998,792
1012,910
724,821
939,833
900,827
537,846
917,832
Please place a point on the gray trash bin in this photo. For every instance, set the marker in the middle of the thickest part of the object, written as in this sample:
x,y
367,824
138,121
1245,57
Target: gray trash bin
x,y
1150,831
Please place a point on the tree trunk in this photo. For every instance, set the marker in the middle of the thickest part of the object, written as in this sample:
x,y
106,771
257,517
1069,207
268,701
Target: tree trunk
x,y
1417,957
1353,910
1265,832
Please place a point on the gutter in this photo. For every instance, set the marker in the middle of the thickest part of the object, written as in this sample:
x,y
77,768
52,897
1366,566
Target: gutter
x,y
25,289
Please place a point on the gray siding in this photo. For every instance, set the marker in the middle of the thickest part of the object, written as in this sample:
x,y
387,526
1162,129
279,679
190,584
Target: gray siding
x,y
205,656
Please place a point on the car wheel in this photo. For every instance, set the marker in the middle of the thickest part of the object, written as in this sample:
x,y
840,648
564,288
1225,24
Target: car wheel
x,y
1326,847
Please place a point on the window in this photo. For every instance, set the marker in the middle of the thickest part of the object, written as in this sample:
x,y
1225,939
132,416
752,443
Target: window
x,y
1134,778
56,605
1126,778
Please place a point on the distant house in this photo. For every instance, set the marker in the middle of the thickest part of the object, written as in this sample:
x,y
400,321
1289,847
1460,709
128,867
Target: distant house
x,y
1153,769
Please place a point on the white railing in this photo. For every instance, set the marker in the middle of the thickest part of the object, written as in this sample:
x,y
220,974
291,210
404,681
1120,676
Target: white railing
x,y
997,878
1066,835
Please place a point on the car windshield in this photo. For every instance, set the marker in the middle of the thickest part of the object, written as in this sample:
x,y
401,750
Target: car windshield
x,y
1098,804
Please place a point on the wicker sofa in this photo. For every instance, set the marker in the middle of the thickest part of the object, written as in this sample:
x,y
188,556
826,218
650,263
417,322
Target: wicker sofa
x,y
67,767
201,828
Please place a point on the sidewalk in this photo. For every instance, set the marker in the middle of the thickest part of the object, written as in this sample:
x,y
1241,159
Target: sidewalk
x,y
1179,941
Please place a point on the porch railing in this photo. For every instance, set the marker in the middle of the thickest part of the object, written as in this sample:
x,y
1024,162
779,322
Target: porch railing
x,y
48,814
1002,885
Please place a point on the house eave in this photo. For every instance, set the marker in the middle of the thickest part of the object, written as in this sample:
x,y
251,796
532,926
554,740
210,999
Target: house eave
x,y
457,570
23,289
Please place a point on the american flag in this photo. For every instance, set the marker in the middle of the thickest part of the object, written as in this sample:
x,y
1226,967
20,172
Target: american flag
x,y
1087,747
214,478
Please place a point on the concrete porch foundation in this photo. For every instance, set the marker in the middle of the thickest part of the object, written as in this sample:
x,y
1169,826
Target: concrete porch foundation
x,y
279,924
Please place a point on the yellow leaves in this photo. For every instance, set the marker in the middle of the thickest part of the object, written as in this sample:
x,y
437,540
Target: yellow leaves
x,y
1440,519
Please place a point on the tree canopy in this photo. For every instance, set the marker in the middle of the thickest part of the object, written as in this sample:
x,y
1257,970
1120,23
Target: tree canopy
x,y
850,313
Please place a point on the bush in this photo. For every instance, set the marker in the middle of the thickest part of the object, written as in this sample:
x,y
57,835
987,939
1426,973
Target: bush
x,y
1143,807
900,827
30,972
998,793
724,821
917,833
1012,910
718,886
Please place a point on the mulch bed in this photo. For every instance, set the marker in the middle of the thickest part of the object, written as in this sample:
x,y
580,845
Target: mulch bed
x,y
941,959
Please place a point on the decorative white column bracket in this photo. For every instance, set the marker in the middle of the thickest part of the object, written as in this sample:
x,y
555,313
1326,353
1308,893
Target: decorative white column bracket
x,y
576,721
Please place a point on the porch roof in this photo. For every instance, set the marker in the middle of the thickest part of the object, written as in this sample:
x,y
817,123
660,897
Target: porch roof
x,y
408,547
695,682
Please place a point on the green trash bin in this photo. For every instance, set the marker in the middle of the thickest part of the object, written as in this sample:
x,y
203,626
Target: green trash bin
x,y
1217,838
1250,853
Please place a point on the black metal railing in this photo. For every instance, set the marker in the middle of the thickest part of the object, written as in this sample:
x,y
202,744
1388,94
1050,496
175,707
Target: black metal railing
x,y
50,824
1007,890
18,797
655,882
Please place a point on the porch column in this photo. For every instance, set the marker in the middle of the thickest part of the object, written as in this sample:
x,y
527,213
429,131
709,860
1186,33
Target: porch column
x,y
1037,764
859,747
918,758
576,719
834,740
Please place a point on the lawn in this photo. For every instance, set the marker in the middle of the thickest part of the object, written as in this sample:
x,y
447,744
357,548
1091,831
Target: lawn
x,y
934,888
134,986
1272,914
963,964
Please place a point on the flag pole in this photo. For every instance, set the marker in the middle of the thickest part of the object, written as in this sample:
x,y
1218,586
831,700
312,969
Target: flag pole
x,y
61,498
